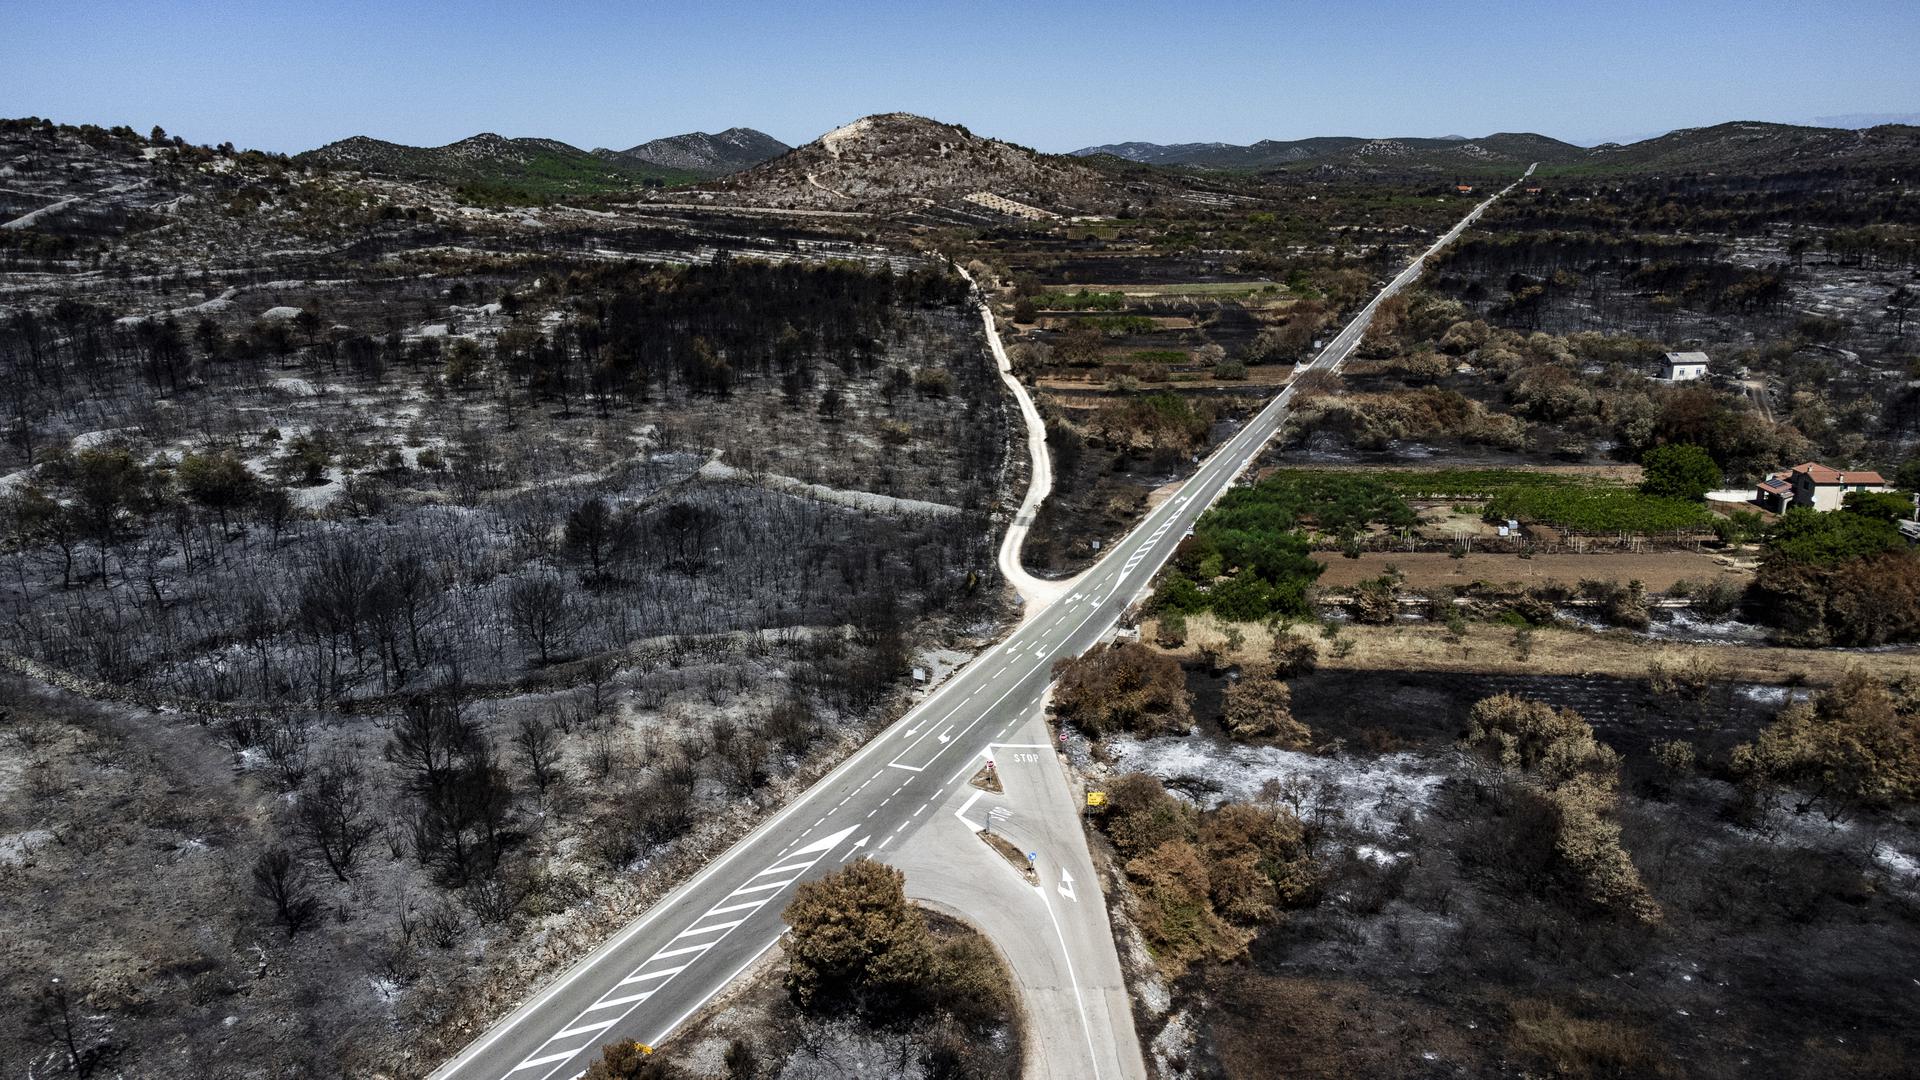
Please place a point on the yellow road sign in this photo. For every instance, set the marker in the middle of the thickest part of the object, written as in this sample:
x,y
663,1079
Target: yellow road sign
x,y
1096,798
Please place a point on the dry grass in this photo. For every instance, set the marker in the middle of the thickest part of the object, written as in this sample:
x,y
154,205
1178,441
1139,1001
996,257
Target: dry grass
x,y
1575,1048
1489,648
1658,570
1624,474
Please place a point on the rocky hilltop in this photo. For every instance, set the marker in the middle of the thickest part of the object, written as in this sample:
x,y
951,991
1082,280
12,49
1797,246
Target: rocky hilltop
x,y
899,160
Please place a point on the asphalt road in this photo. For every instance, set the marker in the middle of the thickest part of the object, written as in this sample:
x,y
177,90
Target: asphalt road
x,y
650,977
1050,925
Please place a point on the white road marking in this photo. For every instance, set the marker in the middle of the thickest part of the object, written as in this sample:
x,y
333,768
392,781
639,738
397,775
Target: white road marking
x,y
781,869
584,1029
1210,480
968,805
1093,1059
743,890
708,929
665,973
696,1006
614,1002
666,953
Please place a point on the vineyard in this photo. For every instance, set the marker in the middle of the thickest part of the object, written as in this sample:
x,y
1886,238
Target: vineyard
x,y
1580,503
1598,509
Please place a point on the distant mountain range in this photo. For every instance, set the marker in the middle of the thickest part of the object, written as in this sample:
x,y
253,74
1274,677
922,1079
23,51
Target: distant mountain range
x,y
1741,145
730,151
1273,154
548,166
898,159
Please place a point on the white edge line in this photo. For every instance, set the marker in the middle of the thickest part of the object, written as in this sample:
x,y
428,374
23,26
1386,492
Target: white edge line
x,y
607,948
1086,1028
612,945
697,1006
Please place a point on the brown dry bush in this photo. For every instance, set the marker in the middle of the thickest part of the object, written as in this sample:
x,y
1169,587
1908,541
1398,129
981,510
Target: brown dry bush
x,y
1377,420
1326,1029
856,939
1257,860
1126,687
1292,656
1176,910
1568,1046
1691,677
1856,745
1573,776
1259,708
1205,881
1141,816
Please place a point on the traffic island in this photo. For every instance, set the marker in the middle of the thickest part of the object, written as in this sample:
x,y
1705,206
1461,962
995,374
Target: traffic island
x,y
1011,852
987,780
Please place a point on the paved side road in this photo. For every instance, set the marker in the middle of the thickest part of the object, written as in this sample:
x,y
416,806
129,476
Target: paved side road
x,y
654,974
1053,930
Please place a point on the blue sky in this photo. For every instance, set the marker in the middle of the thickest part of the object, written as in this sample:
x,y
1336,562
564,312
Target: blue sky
x,y
289,76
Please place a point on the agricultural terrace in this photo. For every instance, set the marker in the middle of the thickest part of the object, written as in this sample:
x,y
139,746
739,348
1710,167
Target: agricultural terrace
x,y
1249,556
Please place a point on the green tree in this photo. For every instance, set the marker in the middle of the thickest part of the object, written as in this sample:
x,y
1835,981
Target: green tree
x,y
856,939
1807,536
219,482
1906,478
1678,471
1884,505
110,492
462,363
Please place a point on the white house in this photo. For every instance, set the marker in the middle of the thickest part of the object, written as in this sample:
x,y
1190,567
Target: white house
x,y
1685,366
1813,484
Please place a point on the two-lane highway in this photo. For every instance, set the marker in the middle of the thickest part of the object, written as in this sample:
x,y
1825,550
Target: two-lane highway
x,y
659,970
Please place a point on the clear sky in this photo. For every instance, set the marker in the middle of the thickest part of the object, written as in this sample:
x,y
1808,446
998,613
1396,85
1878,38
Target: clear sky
x,y
290,76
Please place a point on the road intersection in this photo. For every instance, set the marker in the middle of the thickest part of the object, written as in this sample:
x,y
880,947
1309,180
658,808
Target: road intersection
x,y
658,971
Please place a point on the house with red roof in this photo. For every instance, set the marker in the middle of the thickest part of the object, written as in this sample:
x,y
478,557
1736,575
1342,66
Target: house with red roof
x,y
1815,485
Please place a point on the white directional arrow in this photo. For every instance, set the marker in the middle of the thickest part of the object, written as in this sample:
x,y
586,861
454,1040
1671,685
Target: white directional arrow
x,y
1066,886
855,850
826,844
944,734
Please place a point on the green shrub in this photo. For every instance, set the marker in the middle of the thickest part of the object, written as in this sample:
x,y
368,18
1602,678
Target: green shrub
x,y
1679,471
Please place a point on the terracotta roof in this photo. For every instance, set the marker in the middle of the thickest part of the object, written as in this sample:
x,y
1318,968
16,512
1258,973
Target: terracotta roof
x,y
1820,474
1776,485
